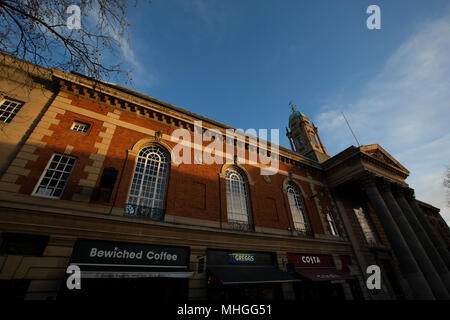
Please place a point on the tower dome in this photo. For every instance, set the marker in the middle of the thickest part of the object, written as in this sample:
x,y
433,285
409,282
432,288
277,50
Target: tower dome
x,y
295,114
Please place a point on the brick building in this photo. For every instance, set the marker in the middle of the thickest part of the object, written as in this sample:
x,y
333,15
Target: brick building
x,y
92,179
436,220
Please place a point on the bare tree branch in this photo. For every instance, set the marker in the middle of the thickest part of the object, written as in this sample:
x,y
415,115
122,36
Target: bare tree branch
x,y
37,31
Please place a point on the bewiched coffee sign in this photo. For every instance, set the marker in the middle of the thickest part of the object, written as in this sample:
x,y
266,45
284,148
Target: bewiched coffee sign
x,y
90,252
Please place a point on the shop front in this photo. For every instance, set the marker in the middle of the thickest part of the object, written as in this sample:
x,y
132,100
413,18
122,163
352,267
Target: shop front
x,y
321,279
244,276
137,271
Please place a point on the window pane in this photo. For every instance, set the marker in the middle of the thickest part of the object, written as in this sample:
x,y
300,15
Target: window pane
x,y
237,200
332,224
54,176
366,226
80,127
8,110
149,183
297,208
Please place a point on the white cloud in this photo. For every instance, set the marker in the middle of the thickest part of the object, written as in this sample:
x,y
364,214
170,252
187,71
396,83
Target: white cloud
x,y
406,109
122,41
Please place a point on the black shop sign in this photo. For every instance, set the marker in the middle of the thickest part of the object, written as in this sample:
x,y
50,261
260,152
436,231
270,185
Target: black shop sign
x,y
90,252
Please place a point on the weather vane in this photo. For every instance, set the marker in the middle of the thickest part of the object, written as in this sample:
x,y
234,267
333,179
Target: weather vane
x,y
292,105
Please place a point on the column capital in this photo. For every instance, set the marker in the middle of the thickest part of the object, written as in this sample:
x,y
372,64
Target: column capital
x,y
384,185
409,193
367,179
398,190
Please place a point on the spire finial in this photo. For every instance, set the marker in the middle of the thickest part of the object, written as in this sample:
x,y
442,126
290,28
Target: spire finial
x,y
291,104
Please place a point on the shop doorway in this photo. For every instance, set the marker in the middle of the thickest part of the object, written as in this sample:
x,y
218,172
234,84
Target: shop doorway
x,y
244,292
151,289
308,290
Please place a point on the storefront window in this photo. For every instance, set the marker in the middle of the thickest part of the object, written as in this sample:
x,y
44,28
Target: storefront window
x,y
149,184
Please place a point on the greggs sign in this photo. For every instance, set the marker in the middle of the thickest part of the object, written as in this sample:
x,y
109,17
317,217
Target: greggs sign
x,y
241,258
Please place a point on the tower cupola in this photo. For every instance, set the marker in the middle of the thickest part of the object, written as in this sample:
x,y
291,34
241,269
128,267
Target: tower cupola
x,y
304,137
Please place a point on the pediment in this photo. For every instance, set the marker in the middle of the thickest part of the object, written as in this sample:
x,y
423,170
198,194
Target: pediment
x,y
377,152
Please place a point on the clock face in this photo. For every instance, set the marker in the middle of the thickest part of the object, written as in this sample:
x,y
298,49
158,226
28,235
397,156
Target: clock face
x,y
300,140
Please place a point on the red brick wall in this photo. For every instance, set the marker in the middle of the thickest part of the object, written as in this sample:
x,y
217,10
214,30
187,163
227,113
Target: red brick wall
x,y
194,191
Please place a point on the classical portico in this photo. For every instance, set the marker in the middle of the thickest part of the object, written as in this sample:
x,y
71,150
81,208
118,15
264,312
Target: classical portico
x,y
370,180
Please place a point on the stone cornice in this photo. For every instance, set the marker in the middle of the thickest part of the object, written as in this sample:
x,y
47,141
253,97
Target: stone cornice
x,y
353,153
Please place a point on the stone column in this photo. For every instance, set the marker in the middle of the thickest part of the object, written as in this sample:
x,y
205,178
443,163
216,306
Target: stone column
x,y
408,264
427,244
359,255
429,229
425,264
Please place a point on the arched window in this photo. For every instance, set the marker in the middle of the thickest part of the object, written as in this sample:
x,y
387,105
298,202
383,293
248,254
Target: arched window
x,y
297,208
237,200
149,184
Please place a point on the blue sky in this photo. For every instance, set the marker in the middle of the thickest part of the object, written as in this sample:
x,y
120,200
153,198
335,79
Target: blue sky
x,y
241,62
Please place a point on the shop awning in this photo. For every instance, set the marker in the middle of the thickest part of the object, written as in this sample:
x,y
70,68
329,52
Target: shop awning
x,y
324,274
249,274
131,274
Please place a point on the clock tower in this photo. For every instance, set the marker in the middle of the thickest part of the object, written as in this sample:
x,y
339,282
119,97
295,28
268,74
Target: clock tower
x,y
304,137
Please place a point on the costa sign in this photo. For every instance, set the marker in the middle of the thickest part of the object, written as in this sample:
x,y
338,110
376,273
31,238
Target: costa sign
x,y
311,260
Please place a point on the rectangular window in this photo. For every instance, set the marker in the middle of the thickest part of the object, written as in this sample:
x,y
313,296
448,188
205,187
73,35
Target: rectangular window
x,y
366,227
80,127
332,224
314,139
55,176
8,110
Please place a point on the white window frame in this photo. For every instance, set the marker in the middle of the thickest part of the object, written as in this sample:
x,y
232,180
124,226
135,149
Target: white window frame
x,y
159,179
332,223
297,208
38,185
18,106
314,139
85,125
235,217
367,228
